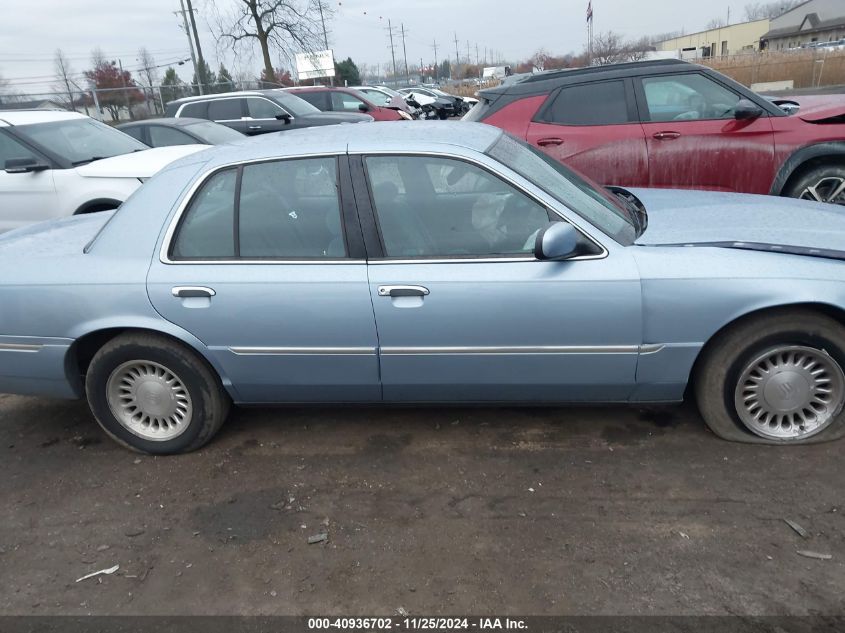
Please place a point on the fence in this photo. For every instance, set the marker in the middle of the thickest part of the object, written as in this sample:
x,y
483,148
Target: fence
x,y
114,105
806,68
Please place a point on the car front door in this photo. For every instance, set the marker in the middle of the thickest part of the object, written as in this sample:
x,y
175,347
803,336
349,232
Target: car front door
x,y
694,141
466,313
264,267
265,116
25,197
593,127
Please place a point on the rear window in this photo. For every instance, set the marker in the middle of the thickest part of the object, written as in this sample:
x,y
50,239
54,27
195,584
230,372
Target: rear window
x,y
478,111
589,104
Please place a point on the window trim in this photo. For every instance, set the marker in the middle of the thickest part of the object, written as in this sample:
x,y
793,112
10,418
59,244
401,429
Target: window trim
x,y
169,239
543,114
383,258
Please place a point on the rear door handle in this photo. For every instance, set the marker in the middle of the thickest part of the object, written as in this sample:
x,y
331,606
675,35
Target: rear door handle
x,y
402,291
660,136
553,140
188,292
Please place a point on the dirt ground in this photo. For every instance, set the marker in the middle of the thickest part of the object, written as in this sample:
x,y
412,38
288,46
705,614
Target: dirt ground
x,y
434,511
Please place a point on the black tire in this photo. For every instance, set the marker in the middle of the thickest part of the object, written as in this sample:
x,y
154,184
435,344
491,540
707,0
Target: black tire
x,y
210,403
718,370
825,176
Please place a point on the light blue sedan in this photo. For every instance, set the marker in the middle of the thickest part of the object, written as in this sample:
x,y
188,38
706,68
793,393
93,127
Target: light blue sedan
x,y
424,263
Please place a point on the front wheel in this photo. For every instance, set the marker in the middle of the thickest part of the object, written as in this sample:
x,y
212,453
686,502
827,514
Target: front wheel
x,y
820,184
775,379
154,395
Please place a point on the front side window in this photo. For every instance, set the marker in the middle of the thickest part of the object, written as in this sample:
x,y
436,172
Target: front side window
x,y
442,207
601,103
10,149
690,97
343,101
224,110
263,108
287,209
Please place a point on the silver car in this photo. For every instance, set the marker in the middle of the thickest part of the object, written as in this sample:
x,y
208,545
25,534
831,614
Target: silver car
x,y
426,263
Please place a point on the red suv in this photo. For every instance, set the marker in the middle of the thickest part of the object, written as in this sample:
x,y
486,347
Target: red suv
x,y
669,123
347,100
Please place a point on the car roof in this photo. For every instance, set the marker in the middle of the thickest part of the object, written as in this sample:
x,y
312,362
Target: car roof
x,y
543,81
392,136
221,95
27,117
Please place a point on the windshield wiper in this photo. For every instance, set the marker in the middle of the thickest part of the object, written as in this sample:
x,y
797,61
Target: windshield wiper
x,y
76,163
635,208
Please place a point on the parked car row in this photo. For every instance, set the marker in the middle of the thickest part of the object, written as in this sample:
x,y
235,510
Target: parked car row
x,y
403,261
669,123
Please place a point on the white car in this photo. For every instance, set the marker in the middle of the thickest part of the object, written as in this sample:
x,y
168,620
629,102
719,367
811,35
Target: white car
x,y
55,164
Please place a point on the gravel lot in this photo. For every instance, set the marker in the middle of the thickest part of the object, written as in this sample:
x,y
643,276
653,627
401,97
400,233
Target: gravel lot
x,y
436,511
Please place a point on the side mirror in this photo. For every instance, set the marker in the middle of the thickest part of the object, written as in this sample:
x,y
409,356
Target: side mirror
x,y
557,242
745,110
363,107
284,117
23,166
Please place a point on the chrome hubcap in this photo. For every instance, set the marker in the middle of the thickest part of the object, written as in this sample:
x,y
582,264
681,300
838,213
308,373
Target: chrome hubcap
x,y
790,392
149,400
830,189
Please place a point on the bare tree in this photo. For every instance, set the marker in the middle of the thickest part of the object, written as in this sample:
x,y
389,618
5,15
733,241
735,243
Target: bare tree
x,y
608,48
763,10
148,74
64,73
715,23
287,25
639,49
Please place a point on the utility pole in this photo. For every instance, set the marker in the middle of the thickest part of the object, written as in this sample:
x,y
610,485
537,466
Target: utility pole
x,y
422,74
392,49
190,43
325,35
200,60
477,60
436,67
405,53
457,58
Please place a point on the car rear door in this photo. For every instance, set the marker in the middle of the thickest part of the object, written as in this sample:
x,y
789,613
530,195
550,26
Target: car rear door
x,y
464,310
593,127
266,267
694,141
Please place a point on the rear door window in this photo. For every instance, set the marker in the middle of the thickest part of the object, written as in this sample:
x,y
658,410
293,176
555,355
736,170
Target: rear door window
x,y
196,110
315,98
225,110
601,103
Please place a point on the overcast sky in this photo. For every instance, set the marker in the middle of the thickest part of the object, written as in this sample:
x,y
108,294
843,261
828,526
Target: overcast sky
x,y
32,31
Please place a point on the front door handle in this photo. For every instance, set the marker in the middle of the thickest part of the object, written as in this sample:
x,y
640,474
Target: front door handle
x,y
661,136
402,291
552,140
189,292
254,127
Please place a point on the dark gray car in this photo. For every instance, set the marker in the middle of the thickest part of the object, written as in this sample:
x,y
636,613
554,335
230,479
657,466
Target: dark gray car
x,y
258,111
181,131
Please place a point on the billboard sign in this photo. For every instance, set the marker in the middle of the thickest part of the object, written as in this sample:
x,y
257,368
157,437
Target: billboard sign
x,y
315,65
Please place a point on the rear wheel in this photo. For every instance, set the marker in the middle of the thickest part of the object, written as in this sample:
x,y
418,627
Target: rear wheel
x,y
775,379
821,184
154,395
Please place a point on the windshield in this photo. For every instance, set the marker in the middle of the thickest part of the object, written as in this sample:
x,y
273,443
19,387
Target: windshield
x,y
589,201
214,133
80,141
293,104
390,91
